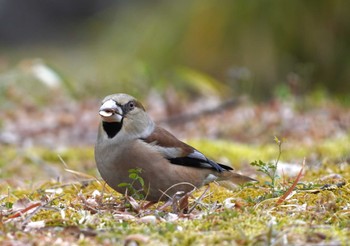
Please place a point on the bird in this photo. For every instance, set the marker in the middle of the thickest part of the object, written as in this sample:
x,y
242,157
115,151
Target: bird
x,y
129,139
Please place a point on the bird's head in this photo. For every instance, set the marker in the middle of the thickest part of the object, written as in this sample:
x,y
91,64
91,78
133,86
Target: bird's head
x,y
124,112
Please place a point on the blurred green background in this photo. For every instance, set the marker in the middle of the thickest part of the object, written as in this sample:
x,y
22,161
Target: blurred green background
x,y
228,47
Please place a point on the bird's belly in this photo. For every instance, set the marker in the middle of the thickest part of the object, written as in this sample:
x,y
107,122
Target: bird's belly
x,y
161,178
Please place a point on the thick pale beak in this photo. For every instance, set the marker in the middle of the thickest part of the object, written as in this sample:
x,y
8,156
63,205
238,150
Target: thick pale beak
x,y
111,112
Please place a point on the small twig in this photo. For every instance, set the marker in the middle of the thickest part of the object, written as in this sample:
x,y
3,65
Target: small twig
x,y
164,193
37,206
177,119
283,198
197,201
19,213
25,221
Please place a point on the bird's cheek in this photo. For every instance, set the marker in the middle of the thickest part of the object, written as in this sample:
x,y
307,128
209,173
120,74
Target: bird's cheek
x,y
118,117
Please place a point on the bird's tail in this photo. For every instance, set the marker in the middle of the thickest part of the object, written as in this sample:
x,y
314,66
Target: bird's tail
x,y
235,178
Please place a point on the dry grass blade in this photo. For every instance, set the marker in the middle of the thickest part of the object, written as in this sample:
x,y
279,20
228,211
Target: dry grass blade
x,y
164,193
134,204
197,201
285,195
80,174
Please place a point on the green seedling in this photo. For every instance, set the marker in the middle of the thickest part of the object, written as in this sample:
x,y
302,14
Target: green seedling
x,y
270,168
136,181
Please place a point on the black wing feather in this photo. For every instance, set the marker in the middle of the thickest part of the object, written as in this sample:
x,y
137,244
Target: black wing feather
x,y
199,163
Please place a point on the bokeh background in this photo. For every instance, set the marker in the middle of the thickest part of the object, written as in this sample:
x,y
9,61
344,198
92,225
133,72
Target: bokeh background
x,y
230,77
259,48
189,62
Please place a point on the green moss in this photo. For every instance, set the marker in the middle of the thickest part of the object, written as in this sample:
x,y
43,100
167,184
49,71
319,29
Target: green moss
x,y
242,153
312,214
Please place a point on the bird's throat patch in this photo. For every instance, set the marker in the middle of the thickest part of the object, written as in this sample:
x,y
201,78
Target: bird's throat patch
x,y
112,128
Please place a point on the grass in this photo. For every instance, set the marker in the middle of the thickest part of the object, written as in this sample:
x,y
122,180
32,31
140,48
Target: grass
x,y
83,210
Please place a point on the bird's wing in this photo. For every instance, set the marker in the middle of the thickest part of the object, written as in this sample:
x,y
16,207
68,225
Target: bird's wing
x,y
180,153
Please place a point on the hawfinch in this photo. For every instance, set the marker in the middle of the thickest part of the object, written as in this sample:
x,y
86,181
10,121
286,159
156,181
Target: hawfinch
x,y
129,139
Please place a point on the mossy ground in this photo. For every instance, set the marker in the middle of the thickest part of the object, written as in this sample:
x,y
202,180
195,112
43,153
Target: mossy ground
x,y
76,208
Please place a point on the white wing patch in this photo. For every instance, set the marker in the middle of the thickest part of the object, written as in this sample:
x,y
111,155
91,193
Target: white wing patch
x,y
167,152
197,155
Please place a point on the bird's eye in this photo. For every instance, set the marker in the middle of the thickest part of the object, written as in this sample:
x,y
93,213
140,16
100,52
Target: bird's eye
x,y
131,105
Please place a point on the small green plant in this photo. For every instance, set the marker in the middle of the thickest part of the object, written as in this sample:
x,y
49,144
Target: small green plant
x,y
270,168
136,180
